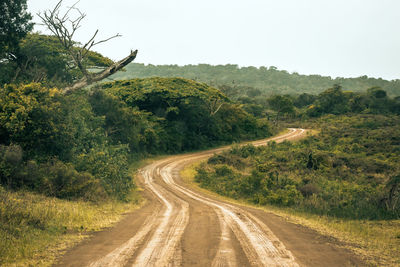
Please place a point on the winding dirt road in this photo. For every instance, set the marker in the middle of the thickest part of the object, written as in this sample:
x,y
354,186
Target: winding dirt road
x,y
181,227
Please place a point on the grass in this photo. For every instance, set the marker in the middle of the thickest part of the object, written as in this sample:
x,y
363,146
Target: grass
x,y
377,242
35,230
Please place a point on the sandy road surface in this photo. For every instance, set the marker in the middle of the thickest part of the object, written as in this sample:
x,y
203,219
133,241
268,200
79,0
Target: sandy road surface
x,y
181,227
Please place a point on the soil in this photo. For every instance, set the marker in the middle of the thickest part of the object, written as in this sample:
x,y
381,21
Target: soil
x,y
181,227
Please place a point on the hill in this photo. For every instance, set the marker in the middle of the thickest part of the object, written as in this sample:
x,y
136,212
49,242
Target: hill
x,y
182,115
268,80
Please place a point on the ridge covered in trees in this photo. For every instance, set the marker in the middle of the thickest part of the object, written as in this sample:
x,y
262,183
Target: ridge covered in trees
x,y
268,80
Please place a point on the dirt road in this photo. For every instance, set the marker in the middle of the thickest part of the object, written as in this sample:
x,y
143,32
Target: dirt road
x,y
181,227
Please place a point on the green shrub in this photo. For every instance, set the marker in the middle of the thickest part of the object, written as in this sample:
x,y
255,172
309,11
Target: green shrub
x,y
63,181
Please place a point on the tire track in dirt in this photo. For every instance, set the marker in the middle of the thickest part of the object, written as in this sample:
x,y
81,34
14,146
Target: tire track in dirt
x,y
258,242
188,228
162,248
261,247
166,225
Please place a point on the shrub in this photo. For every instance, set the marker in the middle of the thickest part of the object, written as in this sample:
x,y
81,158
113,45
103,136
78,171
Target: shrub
x,y
309,190
63,181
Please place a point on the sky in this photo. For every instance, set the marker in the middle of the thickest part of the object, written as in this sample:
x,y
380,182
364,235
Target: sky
x,y
338,38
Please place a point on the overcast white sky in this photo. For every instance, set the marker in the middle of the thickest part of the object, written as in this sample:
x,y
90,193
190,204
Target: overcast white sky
x,y
346,38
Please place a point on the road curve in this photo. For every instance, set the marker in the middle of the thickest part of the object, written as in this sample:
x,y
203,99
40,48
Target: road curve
x,y
181,227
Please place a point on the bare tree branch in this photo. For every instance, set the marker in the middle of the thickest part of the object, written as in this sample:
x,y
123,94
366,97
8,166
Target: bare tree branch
x,y
108,39
85,81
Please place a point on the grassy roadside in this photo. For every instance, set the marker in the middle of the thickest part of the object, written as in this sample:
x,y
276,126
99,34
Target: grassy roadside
x,y
378,242
35,230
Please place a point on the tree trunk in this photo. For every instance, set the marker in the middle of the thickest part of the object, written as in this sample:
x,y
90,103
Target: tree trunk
x,y
92,78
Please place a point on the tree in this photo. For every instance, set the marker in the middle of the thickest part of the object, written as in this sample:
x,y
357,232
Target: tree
x,y
253,92
304,100
64,26
333,101
33,117
281,104
392,200
45,60
14,25
379,102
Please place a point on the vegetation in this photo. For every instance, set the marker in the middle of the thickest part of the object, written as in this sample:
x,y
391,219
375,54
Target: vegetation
x,y
245,81
43,59
333,100
14,25
51,143
34,229
349,170
181,115
79,147
65,154
377,241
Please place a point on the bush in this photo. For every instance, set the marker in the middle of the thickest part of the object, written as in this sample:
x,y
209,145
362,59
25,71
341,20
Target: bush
x,y
309,190
109,165
10,165
63,181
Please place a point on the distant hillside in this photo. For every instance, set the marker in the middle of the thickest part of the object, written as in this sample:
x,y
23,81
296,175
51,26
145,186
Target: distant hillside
x,y
268,80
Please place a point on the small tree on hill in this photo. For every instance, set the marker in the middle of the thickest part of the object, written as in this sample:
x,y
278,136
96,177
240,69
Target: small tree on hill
x,y
281,104
14,25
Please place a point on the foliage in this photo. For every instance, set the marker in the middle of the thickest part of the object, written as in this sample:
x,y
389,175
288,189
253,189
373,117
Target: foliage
x,y
56,145
175,115
76,146
127,125
331,101
110,165
349,170
32,116
14,25
281,105
336,101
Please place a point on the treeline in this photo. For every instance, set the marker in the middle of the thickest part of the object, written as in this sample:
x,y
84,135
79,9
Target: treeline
x,y
349,170
79,145
334,101
267,80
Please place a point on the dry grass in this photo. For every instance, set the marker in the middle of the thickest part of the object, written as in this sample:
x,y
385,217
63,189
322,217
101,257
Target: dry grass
x,y
378,242
34,229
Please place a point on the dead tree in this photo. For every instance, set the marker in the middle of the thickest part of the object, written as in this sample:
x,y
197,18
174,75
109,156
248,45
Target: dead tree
x,y
64,27
214,105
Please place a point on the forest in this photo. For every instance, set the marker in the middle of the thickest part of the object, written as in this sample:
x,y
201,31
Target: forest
x,y
268,80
